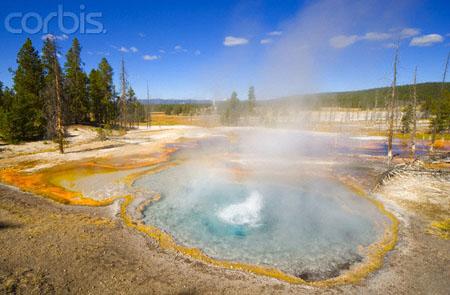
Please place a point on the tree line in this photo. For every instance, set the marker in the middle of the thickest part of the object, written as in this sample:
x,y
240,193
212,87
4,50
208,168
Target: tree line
x,y
374,98
233,110
437,109
432,102
186,109
46,96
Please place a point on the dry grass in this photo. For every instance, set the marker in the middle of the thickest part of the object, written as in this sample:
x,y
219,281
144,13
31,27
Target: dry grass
x,y
441,228
163,119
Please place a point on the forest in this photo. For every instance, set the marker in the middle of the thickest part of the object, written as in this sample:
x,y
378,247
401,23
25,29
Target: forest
x,y
46,96
368,98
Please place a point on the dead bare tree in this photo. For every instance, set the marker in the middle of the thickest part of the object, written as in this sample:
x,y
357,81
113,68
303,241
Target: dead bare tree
x,y
414,115
445,73
437,116
123,97
59,124
392,109
443,80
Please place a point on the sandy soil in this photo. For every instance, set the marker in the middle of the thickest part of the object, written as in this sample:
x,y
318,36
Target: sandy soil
x,y
49,248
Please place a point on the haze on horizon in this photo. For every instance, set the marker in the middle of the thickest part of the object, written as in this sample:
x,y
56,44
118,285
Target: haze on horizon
x,y
202,50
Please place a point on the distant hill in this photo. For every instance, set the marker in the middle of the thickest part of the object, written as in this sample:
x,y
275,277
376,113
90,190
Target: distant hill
x,y
368,98
158,101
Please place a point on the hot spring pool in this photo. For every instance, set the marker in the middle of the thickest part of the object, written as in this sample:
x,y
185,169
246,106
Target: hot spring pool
x,y
305,224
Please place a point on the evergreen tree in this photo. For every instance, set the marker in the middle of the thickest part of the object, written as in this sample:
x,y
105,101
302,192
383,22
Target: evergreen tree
x,y
446,111
234,105
441,113
101,94
105,72
75,86
232,111
48,93
132,106
1,93
3,109
52,93
6,100
95,96
407,119
26,118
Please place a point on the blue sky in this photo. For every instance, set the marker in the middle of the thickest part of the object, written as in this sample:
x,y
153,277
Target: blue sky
x,y
207,49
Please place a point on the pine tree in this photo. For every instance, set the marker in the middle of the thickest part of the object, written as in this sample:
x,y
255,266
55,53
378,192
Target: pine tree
x,y
105,73
95,96
101,94
48,92
3,110
446,110
439,109
75,86
53,81
132,106
232,114
6,99
26,118
407,119
2,99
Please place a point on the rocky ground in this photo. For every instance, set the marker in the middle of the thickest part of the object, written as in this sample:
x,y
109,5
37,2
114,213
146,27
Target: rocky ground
x,y
50,248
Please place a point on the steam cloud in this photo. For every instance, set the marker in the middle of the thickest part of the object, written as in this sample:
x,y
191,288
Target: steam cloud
x,y
300,59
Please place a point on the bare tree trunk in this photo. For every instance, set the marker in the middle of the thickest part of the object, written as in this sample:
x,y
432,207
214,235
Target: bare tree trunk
x,y
443,81
59,125
123,97
392,110
414,113
433,135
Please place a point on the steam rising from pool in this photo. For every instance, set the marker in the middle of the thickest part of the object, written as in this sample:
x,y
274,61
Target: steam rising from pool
x,y
245,213
273,204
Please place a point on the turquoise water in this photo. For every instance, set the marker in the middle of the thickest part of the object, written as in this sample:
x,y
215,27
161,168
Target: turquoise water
x,y
308,225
